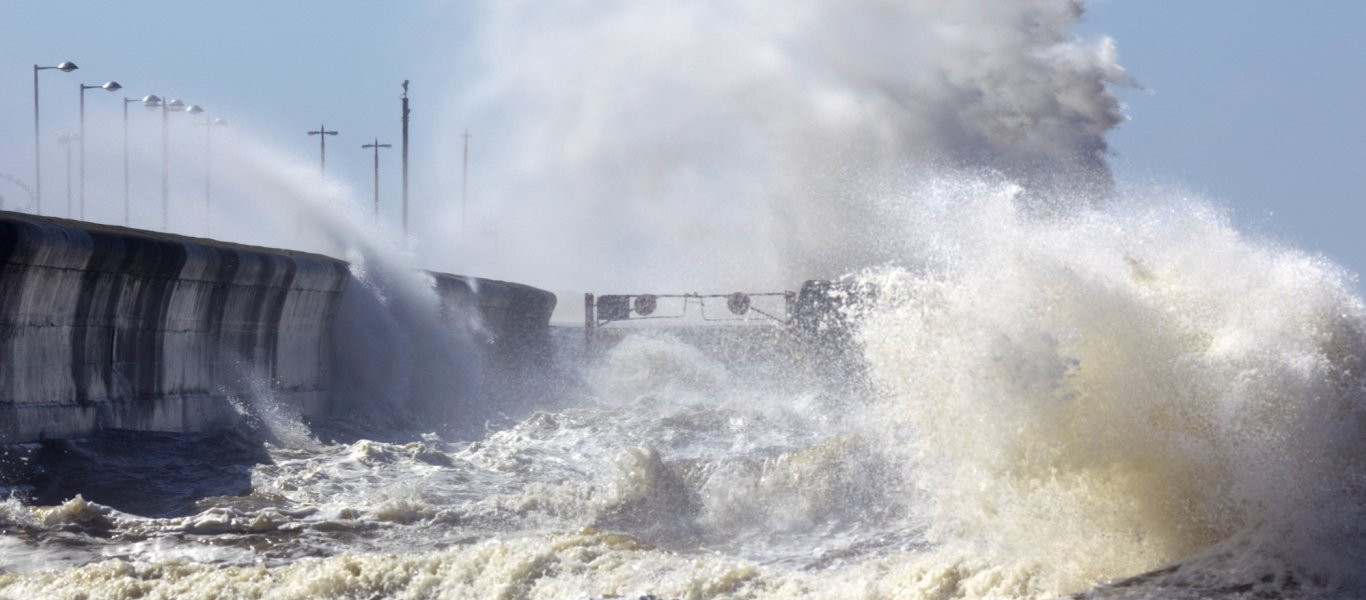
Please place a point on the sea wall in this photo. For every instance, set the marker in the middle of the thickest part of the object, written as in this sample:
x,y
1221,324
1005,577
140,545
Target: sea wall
x,y
513,320
508,366
111,328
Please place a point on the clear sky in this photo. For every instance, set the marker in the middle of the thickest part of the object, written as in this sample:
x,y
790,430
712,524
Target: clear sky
x,y
1253,104
273,70
1257,105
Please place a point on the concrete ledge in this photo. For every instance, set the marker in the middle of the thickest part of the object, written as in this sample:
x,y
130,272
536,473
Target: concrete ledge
x,y
108,328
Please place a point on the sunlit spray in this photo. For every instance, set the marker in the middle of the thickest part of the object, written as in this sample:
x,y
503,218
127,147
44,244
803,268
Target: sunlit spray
x,y
733,145
1101,394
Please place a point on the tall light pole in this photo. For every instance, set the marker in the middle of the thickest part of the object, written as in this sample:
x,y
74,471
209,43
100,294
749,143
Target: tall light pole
x,y
112,86
65,140
405,157
464,186
126,102
65,67
322,134
376,145
209,124
153,102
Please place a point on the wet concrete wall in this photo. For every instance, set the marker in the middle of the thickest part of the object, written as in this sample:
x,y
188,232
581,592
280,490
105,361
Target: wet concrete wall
x,y
512,367
110,328
513,320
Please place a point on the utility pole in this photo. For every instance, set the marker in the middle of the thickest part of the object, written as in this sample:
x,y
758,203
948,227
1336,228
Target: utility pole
x,y
322,134
464,187
405,157
376,145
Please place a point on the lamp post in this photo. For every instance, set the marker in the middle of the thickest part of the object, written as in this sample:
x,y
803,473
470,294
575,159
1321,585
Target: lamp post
x,y
464,187
322,134
126,102
376,145
209,124
112,86
152,102
65,140
65,67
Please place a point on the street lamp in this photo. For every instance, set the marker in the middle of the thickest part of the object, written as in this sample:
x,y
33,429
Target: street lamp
x,y
166,106
209,124
65,140
65,67
377,146
126,102
322,134
112,86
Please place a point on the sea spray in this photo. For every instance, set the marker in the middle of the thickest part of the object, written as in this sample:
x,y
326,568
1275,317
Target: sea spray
x,y
397,360
735,144
1106,392
262,414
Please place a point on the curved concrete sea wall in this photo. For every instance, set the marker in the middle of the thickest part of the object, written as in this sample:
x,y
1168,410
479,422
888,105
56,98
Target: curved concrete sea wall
x,y
514,319
110,328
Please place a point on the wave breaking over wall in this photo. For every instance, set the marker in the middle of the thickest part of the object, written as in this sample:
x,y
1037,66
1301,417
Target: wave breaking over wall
x,y
1098,395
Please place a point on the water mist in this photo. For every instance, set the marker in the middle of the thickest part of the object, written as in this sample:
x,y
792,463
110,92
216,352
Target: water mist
x,y
732,146
398,362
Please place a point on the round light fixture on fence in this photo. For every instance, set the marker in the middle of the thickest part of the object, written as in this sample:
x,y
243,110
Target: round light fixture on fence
x,y
645,304
738,303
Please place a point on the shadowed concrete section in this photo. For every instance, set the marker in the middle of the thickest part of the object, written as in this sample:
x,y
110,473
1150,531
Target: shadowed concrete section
x,y
513,319
112,328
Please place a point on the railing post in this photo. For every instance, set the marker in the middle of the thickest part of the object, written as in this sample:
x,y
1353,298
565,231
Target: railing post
x,y
590,321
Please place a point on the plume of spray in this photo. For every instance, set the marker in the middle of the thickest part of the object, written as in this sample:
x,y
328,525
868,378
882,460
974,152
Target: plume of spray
x,y
1104,393
398,362
723,144
1095,389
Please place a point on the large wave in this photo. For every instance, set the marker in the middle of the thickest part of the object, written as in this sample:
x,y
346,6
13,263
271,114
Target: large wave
x,y
1111,391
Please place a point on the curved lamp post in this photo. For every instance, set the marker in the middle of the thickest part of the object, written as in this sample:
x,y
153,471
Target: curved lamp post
x,y
126,102
167,106
209,124
65,67
111,86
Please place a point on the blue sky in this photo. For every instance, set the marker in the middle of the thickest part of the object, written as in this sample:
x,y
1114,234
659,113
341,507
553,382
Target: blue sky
x,y
273,70
1254,105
